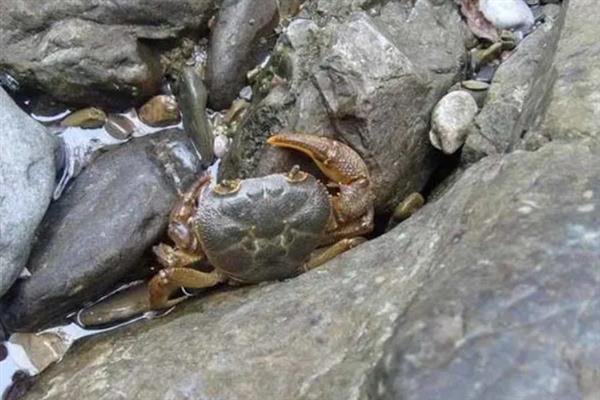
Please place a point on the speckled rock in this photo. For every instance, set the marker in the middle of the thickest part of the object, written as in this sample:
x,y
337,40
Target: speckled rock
x,y
369,79
451,120
519,93
504,264
574,109
94,52
96,233
27,175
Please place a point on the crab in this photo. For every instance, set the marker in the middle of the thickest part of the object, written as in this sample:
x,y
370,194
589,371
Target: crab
x,y
268,228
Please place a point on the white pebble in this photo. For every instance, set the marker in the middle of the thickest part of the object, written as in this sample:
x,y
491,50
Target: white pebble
x,y
451,119
507,14
221,145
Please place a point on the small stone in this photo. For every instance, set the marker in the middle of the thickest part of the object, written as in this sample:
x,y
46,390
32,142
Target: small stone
x,y
43,348
475,84
221,145
246,93
160,111
507,14
409,206
451,119
88,118
119,126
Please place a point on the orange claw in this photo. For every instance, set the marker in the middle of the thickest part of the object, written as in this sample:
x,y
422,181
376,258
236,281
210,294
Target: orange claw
x,y
343,166
339,162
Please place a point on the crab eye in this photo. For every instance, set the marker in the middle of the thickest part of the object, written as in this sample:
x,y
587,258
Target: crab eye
x,y
227,187
296,175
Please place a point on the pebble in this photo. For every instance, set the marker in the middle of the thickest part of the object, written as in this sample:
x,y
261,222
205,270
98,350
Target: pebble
x,y
507,14
475,84
160,111
119,126
451,119
221,147
408,206
192,97
87,118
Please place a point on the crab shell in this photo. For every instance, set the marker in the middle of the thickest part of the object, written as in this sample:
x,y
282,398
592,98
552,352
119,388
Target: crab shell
x,y
265,229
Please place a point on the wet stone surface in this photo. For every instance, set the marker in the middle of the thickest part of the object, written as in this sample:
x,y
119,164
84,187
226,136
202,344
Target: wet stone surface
x,y
27,174
96,233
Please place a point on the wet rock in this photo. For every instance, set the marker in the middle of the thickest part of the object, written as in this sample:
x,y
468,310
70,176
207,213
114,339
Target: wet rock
x,y
159,111
346,77
495,252
97,231
519,317
451,120
242,34
96,53
192,98
507,14
574,109
518,94
43,348
119,126
91,117
27,173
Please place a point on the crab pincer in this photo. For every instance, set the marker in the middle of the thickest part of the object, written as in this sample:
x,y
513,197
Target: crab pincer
x,y
347,171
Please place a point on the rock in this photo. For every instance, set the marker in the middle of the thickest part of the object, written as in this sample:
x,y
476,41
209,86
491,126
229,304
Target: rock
x,y
518,94
508,14
160,110
119,126
574,109
221,146
27,174
504,264
238,40
43,348
519,316
90,117
192,98
451,120
96,233
95,53
346,77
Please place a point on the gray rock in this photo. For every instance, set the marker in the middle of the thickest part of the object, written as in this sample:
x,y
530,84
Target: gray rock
x,y
94,52
451,119
27,175
507,258
238,39
347,77
574,109
518,94
513,308
507,14
96,233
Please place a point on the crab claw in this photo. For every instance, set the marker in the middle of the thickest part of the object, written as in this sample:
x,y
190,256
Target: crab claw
x,y
336,160
345,168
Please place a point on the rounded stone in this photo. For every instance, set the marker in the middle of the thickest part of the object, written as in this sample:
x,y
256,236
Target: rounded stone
x,y
451,119
508,14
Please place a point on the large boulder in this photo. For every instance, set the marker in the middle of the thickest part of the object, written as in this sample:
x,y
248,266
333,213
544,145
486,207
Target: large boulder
x,y
27,176
493,289
367,75
518,94
96,233
94,52
574,109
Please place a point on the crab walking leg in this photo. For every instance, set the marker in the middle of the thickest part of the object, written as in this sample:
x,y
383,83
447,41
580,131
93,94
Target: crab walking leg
x,y
340,164
170,279
321,256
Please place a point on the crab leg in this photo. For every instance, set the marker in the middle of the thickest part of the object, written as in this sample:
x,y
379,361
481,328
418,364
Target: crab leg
x,y
340,164
321,256
170,279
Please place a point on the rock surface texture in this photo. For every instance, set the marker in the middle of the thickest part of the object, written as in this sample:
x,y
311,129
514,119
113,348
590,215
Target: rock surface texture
x,y
518,94
367,77
574,109
27,174
501,272
94,52
96,233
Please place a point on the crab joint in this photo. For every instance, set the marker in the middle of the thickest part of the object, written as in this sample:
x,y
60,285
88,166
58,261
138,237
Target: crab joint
x,y
227,187
296,175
